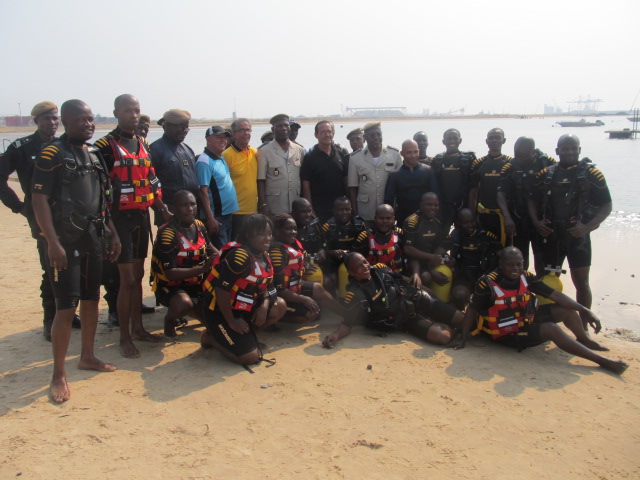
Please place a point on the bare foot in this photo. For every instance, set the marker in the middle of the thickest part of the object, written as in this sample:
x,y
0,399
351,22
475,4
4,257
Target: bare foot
x,y
96,364
59,390
145,336
169,328
615,366
593,345
206,342
129,350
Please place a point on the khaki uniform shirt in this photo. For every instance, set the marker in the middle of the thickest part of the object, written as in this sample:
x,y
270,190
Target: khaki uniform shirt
x,y
371,179
281,173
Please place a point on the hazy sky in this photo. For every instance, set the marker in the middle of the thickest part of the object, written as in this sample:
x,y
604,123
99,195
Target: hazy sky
x,y
311,58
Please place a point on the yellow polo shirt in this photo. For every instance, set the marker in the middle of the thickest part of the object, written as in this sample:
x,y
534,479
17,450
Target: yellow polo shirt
x,y
243,166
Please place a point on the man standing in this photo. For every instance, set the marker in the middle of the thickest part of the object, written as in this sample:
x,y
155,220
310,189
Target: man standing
x,y
573,200
406,186
243,166
323,172
485,178
20,157
452,169
69,192
356,139
173,159
279,164
369,169
217,193
423,142
294,128
135,189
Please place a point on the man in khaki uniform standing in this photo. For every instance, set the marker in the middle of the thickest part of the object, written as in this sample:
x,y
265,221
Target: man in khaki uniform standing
x,y
369,169
279,169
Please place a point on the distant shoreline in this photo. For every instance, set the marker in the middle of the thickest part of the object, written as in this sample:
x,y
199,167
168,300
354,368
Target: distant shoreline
x,y
313,120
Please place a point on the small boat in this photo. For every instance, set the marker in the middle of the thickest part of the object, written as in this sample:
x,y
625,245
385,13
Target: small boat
x,y
581,123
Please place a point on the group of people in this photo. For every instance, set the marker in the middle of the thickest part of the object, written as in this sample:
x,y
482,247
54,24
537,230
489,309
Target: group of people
x,y
249,237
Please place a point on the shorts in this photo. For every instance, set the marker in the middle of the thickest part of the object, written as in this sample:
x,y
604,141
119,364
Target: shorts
x,y
164,294
297,309
434,308
577,250
133,229
82,277
418,326
527,336
466,277
237,343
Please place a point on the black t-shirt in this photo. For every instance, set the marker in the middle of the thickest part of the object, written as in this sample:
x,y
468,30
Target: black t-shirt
x,y
476,252
452,176
425,234
342,237
485,176
326,174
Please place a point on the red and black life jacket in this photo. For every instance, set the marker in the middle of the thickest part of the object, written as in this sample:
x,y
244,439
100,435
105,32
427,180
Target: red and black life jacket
x,y
388,253
245,290
190,255
134,181
294,268
511,310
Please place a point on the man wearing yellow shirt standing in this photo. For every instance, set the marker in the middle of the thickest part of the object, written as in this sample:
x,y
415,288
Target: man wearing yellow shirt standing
x,y
243,166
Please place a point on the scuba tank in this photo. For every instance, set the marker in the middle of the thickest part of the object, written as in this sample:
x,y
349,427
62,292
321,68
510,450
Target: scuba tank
x,y
316,276
343,279
552,280
443,292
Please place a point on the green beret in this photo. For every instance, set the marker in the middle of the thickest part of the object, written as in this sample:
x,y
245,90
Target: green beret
x,y
175,115
43,107
278,117
354,132
371,125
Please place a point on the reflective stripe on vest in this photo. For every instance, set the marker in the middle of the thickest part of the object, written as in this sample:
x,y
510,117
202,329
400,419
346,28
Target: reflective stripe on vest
x,y
133,177
387,253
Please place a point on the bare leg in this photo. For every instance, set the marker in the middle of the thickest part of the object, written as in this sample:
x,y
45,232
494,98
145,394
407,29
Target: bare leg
x,y
89,319
573,322
551,331
60,334
179,306
580,278
138,331
439,334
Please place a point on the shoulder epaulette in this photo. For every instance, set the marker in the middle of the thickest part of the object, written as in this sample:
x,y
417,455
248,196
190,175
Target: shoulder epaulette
x,y
199,223
348,297
101,142
355,151
21,142
412,220
49,152
262,145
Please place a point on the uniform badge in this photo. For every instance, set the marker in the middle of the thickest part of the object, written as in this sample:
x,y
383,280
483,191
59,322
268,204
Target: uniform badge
x,y
364,178
185,162
276,172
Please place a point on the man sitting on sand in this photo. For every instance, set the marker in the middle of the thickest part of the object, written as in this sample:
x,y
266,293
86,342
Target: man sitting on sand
x,y
504,302
182,255
387,302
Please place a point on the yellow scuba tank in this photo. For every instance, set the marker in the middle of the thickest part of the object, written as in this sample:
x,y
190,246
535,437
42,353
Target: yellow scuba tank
x,y
443,292
552,280
343,279
316,276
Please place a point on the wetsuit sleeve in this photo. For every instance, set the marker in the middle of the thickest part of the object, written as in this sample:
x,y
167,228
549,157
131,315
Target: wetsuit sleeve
x,y
481,298
167,248
356,307
537,286
360,245
410,229
279,260
474,177
236,264
46,171
506,179
106,152
8,165
598,191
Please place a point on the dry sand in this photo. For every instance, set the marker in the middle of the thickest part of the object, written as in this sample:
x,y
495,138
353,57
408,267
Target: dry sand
x,y
484,412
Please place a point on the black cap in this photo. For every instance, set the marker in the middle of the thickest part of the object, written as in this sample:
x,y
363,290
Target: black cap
x,y
216,130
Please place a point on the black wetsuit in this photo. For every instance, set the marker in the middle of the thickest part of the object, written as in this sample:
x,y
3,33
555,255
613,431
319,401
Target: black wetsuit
x,y
452,176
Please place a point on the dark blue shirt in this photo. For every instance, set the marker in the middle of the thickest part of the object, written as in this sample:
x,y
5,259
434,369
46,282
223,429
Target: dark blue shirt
x,y
175,166
406,187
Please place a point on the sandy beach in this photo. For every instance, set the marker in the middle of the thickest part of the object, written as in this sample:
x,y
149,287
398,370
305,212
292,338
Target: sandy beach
x,y
484,412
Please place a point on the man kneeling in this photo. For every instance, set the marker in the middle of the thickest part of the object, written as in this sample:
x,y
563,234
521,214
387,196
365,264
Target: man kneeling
x,y
182,255
387,302
503,307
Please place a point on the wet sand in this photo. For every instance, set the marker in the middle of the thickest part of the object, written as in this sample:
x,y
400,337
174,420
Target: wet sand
x,y
484,412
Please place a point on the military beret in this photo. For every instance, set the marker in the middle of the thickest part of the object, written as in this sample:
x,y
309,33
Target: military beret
x,y
265,135
216,130
371,125
175,115
294,124
278,117
354,132
144,119
43,107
